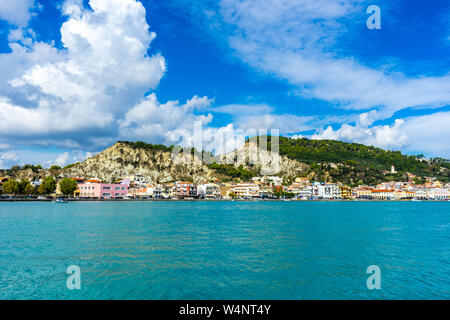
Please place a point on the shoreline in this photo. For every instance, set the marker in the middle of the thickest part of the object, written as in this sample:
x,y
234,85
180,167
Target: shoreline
x,y
217,200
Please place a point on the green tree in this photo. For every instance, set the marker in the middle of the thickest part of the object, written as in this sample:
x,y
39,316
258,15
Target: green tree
x,y
23,186
29,189
48,186
11,187
68,186
54,167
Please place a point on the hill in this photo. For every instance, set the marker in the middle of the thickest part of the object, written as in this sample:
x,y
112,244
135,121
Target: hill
x,y
319,160
354,163
155,164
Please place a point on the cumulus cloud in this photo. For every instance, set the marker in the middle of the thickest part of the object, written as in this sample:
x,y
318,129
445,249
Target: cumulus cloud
x,y
386,137
16,12
420,134
102,71
154,121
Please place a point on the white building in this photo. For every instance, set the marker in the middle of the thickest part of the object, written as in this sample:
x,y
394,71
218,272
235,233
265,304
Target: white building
x,y
246,190
155,191
438,194
326,190
383,194
305,193
273,180
209,191
420,194
137,179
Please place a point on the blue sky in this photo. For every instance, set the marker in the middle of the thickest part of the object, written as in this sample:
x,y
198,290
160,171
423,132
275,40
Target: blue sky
x,y
79,75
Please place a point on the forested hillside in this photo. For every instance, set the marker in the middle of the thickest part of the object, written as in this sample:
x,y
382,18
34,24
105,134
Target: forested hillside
x,y
355,163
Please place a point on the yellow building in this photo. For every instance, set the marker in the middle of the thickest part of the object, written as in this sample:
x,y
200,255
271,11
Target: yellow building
x,y
346,192
363,192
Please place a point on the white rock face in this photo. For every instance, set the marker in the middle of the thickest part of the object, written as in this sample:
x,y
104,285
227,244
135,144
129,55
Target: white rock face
x,y
122,160
268,162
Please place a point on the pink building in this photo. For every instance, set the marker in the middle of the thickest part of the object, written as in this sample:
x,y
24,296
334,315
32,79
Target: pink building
x,y
101,190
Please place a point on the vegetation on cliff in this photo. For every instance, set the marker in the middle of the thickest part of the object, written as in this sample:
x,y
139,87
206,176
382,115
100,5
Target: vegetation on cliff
x,y
353,163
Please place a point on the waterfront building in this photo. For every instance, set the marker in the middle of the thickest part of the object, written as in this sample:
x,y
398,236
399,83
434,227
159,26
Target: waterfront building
x,y
295,188
305,193
403,194
382,194
266,191
102,190
225,190
156,192
346,192
438,194
246,190
272,180
185,189
420,194
209,191
326,190
168,191
363,193
140,192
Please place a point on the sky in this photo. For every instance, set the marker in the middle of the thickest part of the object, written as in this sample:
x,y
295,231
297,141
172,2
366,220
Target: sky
x,y
78,75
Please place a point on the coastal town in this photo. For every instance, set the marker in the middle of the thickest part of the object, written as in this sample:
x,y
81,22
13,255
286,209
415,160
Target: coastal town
x,y
258,188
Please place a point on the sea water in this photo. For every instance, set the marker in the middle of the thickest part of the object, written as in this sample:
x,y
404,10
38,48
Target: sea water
x,y
225,250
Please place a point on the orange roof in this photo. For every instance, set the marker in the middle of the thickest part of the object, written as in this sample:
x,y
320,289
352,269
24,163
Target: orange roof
x,y
382,190
93,180
77,179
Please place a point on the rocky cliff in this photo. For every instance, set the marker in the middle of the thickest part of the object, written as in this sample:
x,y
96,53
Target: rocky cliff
x,y
159,166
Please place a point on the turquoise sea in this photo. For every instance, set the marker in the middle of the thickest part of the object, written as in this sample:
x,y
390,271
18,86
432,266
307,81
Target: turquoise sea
x,y
225,250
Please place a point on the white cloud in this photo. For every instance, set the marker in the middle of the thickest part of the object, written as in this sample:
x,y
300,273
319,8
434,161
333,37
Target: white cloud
x,y
4,146
152,121
386,137
429,134
263,116
70,157
297,40
80,91
188,124
16,12
62,159
420,134
8,159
